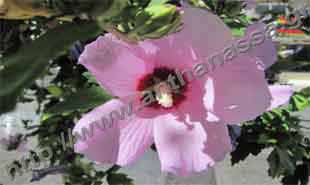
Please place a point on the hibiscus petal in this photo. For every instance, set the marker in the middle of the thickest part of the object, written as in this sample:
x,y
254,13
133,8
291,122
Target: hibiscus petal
x,y
121,142
146,50
136,137
240,91
172,53
281,95
102,144
180,146
218,141
193,105
113,64
202,35
266,51
205,31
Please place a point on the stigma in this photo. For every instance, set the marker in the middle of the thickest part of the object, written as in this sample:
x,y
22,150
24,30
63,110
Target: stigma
x,y
164,96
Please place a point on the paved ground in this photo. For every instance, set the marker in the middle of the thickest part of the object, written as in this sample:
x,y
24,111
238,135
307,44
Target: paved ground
x,y
147,172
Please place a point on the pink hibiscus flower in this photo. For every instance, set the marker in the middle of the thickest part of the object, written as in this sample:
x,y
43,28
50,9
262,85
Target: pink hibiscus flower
x,y
188,123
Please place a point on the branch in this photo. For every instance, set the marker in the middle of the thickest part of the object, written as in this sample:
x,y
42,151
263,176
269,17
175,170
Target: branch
x,y
38,175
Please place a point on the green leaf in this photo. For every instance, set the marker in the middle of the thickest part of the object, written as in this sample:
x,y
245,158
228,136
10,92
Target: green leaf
x,y
238,32
233,8
156,21
265,139
306,92
109,11
83,99
299,102
30,61
98,183
267,117
247,145
156,2
90,78
54,90
100,174
273,161
119,179
285,161
199,3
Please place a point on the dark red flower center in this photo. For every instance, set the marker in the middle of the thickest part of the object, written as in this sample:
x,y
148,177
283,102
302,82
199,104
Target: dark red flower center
x,y
168,93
